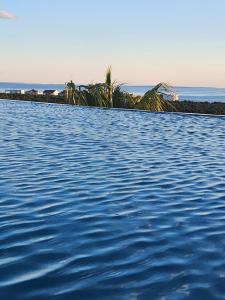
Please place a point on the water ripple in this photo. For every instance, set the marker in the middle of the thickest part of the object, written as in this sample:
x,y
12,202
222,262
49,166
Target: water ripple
x,y
110,204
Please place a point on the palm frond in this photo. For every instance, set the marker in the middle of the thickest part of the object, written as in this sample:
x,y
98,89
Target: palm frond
x,y
163,87
108,78
153,99
70,91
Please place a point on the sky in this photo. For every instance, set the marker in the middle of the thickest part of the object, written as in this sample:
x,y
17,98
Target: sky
x,y
52,41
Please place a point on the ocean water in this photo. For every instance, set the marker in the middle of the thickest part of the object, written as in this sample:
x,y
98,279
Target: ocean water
x,y
110,204
198,94
186,93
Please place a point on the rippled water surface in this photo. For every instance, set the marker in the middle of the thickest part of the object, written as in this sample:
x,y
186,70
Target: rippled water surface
x,y
110,204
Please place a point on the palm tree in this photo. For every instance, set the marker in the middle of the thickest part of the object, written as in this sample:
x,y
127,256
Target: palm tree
x,y
96,95
99,94
109,86
153,99
122,99
70,92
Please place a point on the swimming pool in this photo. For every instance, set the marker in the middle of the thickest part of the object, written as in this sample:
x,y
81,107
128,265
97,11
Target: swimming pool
x,y
110,204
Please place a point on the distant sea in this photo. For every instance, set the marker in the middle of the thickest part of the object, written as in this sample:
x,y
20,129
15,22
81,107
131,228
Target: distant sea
x,y
209,94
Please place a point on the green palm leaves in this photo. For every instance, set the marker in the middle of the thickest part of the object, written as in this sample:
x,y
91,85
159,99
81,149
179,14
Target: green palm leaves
x,y
70,92
153,100
99,94
109,86
108,94
95,95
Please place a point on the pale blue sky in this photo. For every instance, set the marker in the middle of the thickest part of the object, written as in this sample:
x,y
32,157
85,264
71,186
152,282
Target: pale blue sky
x,y
177,41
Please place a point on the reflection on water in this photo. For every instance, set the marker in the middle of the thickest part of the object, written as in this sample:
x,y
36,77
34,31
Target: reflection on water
x,y
110,204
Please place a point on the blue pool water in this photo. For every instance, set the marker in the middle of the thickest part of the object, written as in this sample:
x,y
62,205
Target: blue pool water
x,y
110,204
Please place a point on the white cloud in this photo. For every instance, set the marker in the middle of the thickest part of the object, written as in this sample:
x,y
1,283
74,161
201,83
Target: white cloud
x,y
7,15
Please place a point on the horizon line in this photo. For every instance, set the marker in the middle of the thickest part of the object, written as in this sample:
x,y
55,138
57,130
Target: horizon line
x,y
125,84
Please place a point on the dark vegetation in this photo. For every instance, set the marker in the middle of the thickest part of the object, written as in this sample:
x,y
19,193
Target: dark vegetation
x,y
109,94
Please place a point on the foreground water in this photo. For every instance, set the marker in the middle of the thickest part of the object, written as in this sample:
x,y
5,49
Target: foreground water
x,y
110,204
208,94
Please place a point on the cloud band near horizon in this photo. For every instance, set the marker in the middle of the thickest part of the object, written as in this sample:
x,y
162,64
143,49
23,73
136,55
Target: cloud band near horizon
x,y
7,15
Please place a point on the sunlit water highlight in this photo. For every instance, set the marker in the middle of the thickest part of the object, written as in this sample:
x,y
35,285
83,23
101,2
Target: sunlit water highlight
x,y
110,204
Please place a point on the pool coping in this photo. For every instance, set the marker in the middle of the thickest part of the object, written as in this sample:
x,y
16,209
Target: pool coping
x,y
120,109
